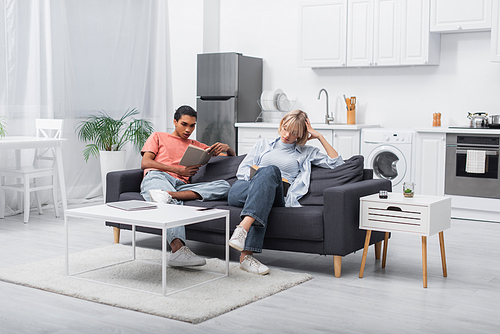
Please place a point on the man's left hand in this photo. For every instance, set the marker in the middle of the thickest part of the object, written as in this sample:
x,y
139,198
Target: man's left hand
x,y
218,148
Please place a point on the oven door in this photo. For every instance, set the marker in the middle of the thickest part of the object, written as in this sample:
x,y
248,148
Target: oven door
x,y
459,180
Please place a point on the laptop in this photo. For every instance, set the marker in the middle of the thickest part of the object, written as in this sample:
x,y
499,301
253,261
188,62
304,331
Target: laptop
x,y
132,205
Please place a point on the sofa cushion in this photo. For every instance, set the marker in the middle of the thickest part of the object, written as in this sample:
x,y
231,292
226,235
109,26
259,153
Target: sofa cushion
x,y
284,223
322,178
219,168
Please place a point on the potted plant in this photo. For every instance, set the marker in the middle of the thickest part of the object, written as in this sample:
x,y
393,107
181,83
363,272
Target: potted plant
x,y
3,132
108,136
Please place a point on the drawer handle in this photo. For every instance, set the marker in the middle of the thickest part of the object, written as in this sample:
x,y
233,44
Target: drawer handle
x,y
394,208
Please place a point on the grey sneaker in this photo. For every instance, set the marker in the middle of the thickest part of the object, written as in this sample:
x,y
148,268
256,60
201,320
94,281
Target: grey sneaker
x,y
238,238
160,196
184,257
254,266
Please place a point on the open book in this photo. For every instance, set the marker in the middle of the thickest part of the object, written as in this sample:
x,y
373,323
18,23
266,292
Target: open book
x,y
286,184
195,156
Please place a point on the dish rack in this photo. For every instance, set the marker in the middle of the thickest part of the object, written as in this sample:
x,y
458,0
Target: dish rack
x,y
269,111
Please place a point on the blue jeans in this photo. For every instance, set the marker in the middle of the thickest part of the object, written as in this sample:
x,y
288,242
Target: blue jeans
x,y
209,191
257,197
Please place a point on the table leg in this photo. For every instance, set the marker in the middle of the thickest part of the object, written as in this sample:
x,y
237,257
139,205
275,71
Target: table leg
x,y
67,244
443,255
384,254
365,251
227,244
133,240
424,260
164,261
60,175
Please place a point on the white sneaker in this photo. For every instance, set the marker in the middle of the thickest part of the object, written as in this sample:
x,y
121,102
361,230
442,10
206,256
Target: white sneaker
x,y
184,257
238,238
160,196
254,266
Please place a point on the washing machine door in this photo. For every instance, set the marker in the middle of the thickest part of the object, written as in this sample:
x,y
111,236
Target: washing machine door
x,y
389,163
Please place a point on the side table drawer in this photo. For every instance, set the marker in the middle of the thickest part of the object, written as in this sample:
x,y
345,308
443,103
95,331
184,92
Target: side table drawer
x,y
394,216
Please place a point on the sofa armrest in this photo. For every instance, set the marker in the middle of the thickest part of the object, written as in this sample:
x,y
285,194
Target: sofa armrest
x,y
341,215
122,181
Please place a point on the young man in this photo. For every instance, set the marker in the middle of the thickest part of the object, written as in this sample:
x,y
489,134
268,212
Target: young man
x,y
168,182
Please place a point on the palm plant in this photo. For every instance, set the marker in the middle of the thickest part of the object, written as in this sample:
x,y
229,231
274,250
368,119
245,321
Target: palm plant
x,y
3,132
109,134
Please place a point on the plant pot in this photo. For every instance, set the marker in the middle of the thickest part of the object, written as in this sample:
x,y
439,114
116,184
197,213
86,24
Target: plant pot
x,y
111,161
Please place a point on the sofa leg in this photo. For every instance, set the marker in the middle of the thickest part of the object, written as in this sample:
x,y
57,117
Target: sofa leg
x,y
116,234
378,250
337,265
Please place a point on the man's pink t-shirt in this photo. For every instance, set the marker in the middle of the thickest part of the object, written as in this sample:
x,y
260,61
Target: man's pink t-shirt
x,y
168,150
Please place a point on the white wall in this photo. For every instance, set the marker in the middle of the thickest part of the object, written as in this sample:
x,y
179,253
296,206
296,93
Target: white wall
x,y
186,41
465,80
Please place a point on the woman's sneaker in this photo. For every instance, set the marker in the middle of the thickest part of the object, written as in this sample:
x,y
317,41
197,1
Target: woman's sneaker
x,y
254,266
160,196
238,238
184,257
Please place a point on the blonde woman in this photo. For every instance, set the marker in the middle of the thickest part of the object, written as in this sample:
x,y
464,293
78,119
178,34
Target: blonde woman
x,y
284,157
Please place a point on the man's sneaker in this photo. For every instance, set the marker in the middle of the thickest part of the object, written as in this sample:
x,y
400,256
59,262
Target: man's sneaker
x,y
254,266
238,238
160,196
184,257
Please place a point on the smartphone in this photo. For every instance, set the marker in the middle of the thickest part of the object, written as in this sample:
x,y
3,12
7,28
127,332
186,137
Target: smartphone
x,y
207,208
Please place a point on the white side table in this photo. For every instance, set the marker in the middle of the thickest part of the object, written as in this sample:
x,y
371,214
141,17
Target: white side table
x,y
423,215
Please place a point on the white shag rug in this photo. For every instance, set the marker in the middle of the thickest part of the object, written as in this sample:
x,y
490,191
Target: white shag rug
x,y
193,305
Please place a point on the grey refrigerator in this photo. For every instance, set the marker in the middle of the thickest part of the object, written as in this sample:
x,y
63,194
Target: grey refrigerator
x,y
228,87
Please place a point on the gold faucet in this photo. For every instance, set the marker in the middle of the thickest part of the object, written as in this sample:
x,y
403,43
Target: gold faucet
x,y
328,119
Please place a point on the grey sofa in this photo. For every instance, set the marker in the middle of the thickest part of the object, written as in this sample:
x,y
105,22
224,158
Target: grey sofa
x,y
326,224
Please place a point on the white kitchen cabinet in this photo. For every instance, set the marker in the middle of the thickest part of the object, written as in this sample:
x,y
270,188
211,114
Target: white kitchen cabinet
x,y
371,33
465,15
347,142
418,45
495,29
247,137
430,163
360,33
386,32
322,33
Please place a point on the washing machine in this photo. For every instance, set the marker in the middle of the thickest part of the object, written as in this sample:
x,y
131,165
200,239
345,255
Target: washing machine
x,y
389,153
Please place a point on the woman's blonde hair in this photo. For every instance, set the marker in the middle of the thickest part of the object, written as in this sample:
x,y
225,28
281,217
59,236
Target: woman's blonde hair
x,y
295,120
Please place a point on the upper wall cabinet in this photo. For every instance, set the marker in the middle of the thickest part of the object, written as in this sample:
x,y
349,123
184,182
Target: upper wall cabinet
x,y
465,15
322,33
418,46
374,33
495,29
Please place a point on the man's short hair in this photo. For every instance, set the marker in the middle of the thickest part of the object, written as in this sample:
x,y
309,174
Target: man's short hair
x,y
184,110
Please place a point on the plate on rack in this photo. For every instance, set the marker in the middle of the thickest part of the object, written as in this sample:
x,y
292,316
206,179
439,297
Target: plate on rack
x,y
276,95
283,103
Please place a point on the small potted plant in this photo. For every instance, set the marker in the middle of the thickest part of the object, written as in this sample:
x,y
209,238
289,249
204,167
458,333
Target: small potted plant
x,y
408,188
3,132
108,136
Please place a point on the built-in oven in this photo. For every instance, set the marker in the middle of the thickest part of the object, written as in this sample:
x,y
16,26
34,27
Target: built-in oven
x,y
472,165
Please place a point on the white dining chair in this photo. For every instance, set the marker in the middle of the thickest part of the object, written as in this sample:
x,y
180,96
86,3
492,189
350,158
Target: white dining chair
x,y
43,166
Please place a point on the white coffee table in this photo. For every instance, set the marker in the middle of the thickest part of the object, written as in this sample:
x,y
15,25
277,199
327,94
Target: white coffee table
x,y
163,217
422,215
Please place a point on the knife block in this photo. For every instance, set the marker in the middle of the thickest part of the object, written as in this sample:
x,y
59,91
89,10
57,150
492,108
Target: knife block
x,y
351,115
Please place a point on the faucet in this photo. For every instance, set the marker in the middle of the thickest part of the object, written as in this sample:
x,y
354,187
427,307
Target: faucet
x,y
328,119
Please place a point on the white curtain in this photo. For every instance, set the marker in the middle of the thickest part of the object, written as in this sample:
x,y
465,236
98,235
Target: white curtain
x,y
69,58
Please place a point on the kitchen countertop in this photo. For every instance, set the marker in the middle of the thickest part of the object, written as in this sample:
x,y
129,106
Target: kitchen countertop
x,y
453,129
317,126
